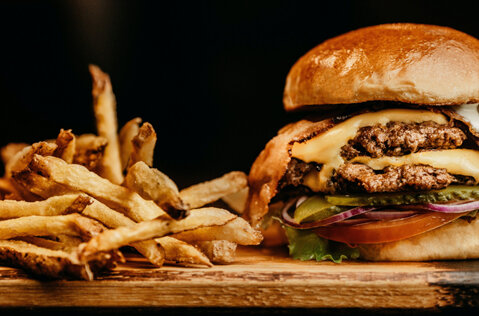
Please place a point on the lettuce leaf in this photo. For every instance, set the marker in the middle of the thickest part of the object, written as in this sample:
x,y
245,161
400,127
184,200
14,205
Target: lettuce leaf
x,y
306,245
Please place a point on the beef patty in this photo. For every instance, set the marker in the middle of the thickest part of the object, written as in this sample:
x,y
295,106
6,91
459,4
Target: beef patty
x,y
397,139
352,177
392,139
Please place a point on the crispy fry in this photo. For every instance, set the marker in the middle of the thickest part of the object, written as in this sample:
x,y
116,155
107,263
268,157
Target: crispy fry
x,y
72,224
37,185
45,187
113,219
237,230
127,133
204,193
143,145
180,253
56,205
97,210
237,200
78,178
89,150
218,251
43,262
122,236
66,145
104,106
10,150
21,160
48,243
152,184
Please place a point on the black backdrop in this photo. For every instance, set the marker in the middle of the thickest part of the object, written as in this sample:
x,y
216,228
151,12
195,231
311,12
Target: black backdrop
x,y
208,75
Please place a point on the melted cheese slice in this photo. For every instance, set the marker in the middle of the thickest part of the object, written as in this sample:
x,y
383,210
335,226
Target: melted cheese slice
x,y
325,148
456,161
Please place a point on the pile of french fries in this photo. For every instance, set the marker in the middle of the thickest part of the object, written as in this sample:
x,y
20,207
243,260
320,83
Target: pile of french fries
x,y
70,206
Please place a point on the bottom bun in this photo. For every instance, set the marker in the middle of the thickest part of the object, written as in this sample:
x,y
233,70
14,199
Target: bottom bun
x,y
454,241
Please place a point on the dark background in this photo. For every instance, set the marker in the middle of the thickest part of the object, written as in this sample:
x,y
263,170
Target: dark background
x,y
208,75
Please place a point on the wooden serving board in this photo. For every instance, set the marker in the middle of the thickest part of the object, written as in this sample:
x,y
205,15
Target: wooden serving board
x,y
259,278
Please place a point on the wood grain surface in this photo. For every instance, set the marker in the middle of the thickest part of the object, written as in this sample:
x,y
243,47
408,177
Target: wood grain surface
x,y
259,278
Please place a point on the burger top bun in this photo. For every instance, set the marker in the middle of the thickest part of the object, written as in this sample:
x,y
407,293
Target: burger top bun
x,y
411,63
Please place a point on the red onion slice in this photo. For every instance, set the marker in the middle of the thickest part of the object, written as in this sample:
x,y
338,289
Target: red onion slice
x,y
460,207
327,221
301,200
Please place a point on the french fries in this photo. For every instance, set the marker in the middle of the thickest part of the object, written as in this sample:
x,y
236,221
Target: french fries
x,y
181,253
78,178
55,205
66,208
218,251
237,231
72,224
51,244
65,145
154,185
122,236
237,200
104,106
143,145
43,261
113,219
89,150
201,194
127,133
22,158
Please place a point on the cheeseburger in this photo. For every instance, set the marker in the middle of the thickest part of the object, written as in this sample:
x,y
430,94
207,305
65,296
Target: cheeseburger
x,y
388,167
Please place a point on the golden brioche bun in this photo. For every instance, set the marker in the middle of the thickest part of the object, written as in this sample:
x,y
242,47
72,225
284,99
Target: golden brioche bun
x,y
411,63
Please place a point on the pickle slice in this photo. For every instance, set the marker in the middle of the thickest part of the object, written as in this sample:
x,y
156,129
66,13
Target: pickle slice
x,y
452,192
315,208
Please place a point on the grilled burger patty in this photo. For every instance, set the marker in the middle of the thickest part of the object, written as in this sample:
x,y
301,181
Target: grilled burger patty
x,y
392,139
397,139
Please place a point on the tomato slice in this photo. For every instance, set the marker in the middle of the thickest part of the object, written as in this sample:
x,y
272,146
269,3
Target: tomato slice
x,y
386,230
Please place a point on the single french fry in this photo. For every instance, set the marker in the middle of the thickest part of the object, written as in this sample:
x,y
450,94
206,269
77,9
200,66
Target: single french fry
x,y
104,106
89,150
10,150
237,231
207,192
55,205
72,224
152,184
122,236
143,145
218,251
127,133
42,261
78,178
237,201
65,145
180,253
49,244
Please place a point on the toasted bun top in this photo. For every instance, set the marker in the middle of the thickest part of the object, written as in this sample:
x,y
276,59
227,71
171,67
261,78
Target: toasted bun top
x,y
412,63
